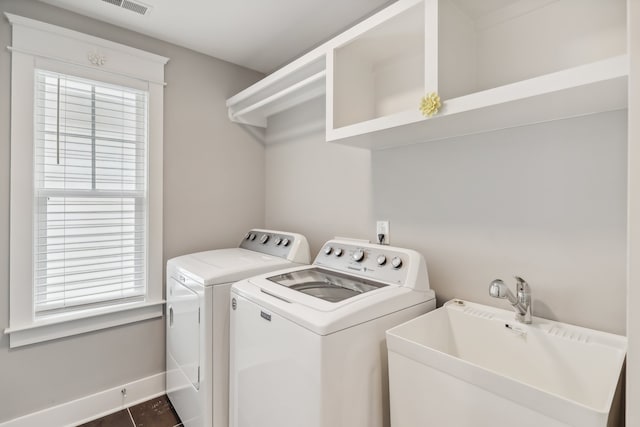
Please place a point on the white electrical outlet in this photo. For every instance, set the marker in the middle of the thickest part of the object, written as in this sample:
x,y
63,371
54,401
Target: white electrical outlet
x,y
382,228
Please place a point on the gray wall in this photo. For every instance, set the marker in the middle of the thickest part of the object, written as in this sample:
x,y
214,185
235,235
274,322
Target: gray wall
x,y
633,287
319,189
547,202
213,192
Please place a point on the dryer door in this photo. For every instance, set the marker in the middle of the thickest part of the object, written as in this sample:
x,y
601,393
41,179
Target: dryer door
x,y
183,333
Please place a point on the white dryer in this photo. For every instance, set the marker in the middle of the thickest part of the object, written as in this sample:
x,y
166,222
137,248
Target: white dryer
x,y
198,319
307,344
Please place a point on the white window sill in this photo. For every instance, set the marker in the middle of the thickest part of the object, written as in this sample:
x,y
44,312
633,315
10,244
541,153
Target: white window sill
x,y
81,322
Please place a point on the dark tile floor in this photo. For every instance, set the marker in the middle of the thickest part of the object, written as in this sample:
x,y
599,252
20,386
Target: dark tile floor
x,y
156,412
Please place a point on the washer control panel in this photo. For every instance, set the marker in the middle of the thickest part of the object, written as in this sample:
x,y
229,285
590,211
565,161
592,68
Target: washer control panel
x,y
376,262
269,242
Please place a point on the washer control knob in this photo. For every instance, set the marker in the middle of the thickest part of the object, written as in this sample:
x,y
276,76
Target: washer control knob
x,y
338,252
328,250
285,242
278,241
396,262
358,255
381,260
252,236
246,236
264,239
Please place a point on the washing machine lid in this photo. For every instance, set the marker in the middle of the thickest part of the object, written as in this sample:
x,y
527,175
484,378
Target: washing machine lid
x,y
321,315
221,266
325,284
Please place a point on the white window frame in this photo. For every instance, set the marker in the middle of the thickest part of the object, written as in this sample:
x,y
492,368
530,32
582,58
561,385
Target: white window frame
x,y
39,45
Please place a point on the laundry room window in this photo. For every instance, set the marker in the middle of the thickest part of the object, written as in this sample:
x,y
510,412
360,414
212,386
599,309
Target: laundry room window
x,y
86,189
90,216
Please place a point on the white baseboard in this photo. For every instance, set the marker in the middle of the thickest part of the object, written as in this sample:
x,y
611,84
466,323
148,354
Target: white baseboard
x,y
94,406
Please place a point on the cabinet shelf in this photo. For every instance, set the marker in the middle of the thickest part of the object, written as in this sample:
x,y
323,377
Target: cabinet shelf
x,y
582,90
378,69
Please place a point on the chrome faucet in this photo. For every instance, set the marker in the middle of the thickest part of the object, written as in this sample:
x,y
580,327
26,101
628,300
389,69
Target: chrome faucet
x,y
521,302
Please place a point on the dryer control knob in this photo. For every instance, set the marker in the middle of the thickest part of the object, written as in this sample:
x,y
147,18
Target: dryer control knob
x,y
264,239
328,250
285,242
278,241
338,252
396,262
252,236
358,255
381,260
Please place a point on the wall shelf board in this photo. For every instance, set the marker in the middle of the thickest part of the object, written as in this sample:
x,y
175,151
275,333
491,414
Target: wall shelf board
x,y
297,82
256,114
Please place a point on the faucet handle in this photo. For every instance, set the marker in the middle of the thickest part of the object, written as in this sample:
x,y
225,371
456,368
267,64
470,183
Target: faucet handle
x,y
521,284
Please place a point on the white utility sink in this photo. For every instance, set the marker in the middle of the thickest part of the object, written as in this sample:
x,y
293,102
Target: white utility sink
x,y
467,364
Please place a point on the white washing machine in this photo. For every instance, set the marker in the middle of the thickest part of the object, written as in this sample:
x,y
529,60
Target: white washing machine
x,y
198,319
307,344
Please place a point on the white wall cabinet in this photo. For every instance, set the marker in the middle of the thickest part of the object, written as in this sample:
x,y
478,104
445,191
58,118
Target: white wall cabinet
x,y
495,65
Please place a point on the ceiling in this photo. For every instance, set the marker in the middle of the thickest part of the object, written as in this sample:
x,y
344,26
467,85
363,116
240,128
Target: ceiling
x,y
259,34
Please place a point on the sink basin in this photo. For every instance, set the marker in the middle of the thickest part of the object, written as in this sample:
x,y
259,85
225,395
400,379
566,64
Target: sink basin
x,y
467,364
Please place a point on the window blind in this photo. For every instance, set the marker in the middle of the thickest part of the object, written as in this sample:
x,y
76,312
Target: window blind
x,y
90,195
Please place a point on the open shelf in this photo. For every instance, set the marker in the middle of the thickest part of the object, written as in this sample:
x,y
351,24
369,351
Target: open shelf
x,y
498,64
488,45
292,85
381,71
495,64
586,89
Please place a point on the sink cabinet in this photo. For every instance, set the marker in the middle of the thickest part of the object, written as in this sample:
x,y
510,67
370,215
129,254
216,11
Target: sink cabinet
x,y
495,64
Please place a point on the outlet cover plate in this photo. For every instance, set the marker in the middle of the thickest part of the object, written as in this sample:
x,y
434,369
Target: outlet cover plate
x,y
382,227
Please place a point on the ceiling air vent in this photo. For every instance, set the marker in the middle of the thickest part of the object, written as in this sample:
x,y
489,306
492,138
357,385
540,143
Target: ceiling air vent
x,y
133,6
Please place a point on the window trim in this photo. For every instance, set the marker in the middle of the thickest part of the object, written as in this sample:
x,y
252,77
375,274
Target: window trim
x,y
82,55
82,321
